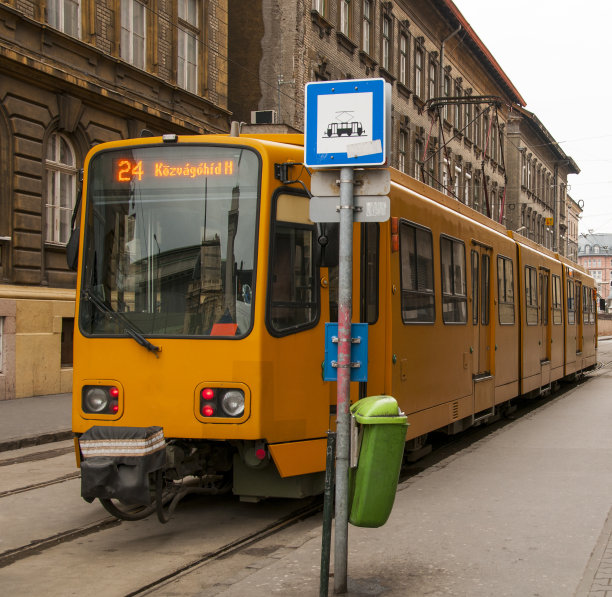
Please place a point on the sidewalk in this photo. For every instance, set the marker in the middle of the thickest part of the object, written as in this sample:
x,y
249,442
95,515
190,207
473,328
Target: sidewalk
x,y
32,421
526,511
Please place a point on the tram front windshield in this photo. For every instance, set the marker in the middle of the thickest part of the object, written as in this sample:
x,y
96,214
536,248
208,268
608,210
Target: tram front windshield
x,y
169,244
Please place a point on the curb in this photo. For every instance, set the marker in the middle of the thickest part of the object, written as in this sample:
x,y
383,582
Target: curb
x,y
35,440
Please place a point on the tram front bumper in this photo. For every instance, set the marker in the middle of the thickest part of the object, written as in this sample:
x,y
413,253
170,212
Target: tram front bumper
x,y
117,462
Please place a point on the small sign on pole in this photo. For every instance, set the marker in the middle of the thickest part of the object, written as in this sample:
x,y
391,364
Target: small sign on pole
x,y
347,123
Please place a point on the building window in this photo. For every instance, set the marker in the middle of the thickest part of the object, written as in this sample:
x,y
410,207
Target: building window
x,y
457,113
432,79
1,341
418,160
366,25
417,277
345,17
419,57
188,45
61,170
477,125
401,150
457,183
403,59
65,15
467,188
319,6
133,32
386,41
494,156
454,285
447,92
468,119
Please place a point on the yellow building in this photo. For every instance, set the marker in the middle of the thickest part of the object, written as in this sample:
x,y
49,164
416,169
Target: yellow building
x,y
76,73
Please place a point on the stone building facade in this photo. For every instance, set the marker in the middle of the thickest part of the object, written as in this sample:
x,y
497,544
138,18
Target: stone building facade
x,y
74,73
423,48
539,206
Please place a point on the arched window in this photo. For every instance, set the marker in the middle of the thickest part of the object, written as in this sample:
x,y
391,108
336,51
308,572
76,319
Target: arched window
x,y
61,170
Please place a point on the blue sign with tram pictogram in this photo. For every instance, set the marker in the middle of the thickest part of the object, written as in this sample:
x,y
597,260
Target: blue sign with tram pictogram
x,y
347,123
359,352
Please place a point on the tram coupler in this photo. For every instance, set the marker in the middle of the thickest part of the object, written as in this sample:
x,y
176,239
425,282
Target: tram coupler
x,y
117,462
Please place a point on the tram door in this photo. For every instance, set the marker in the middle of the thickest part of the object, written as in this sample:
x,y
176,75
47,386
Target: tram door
x,y
484,354
545,326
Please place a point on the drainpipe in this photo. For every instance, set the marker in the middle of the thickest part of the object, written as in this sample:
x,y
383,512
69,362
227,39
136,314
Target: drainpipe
x,y
441,94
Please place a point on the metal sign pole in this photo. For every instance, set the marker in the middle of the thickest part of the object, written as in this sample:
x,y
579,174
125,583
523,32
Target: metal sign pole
x,y
345,286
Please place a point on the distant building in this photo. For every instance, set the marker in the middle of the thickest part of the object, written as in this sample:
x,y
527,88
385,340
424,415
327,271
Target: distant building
x,y
74,73
538,204
574,211
595,255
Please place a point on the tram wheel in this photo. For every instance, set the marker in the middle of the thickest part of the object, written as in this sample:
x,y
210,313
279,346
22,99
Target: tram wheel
x,y
125,512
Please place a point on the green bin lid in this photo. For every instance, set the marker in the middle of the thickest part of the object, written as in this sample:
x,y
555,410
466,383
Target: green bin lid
x,y
379,410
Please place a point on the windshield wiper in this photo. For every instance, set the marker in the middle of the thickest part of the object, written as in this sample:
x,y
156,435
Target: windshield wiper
x,y
129,328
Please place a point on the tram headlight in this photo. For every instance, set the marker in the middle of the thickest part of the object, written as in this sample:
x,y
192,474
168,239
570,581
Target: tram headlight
x,y
232,403
102,400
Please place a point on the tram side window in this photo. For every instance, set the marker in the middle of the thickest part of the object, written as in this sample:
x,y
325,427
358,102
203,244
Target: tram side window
x,y
417,281
485,285
556,300
544,298
454,285
293,296
571,302
586,295
531,295
593,306
475,277
369,272
505,290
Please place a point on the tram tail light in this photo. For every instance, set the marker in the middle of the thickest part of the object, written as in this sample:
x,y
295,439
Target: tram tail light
x,y
208,410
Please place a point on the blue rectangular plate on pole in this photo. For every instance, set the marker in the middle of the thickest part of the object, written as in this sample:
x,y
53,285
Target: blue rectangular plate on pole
x,y
347,123
359,352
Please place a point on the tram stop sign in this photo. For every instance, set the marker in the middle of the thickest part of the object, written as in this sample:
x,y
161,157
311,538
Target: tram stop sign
x,y
347,123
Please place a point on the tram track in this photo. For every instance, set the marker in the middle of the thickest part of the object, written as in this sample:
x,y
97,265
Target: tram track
x,y
232,548
39,545
41,485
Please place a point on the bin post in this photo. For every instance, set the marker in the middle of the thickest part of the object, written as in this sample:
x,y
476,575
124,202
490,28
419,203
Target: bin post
x,y
328,503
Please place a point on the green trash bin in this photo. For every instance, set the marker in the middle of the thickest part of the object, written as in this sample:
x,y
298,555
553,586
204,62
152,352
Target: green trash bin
x,y
373,483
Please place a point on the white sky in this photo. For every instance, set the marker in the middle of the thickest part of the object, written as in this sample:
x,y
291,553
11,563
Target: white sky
x,y
557,54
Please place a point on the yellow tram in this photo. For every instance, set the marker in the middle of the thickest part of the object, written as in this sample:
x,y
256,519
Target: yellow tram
x,y
203,293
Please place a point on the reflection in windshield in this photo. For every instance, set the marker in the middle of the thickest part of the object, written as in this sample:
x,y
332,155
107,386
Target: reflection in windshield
x,y
170,240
